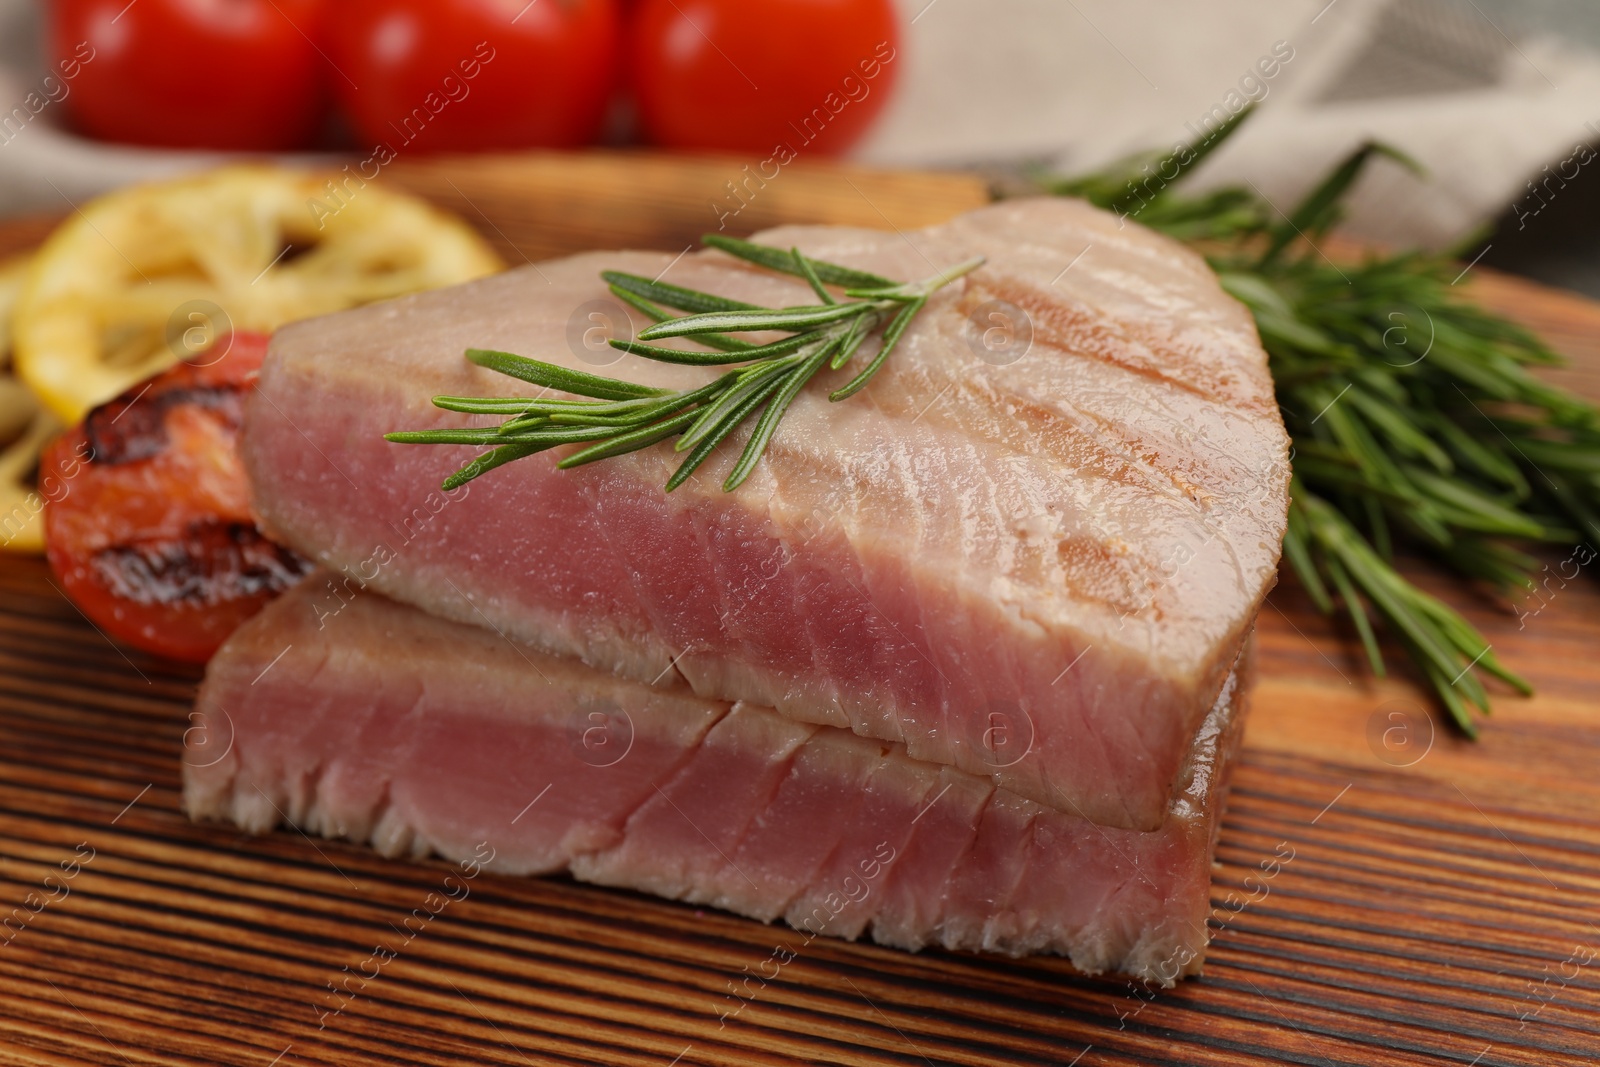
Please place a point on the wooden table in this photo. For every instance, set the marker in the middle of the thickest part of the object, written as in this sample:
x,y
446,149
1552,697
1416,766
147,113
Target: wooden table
x,y
1447,911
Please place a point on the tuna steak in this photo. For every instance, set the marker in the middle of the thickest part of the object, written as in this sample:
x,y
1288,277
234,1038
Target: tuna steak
x,y
383,724
1036,569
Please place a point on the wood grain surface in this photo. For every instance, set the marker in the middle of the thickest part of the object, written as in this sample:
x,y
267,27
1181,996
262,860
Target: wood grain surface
x,y
1366,913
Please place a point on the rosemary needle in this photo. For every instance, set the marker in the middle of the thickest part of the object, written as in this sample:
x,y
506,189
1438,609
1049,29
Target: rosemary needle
x,y
620,417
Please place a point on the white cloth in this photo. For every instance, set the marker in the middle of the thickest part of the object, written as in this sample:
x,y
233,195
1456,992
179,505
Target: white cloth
x,y
1079,83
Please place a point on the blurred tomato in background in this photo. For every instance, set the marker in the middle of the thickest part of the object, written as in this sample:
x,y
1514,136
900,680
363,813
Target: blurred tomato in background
x,y
737,75
227,74
468,75
474,75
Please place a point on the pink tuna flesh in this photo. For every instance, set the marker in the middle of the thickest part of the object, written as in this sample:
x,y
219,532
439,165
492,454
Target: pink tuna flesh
x,y
383,724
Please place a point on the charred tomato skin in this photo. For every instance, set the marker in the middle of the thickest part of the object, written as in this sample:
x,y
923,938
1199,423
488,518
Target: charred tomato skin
x,y
149,529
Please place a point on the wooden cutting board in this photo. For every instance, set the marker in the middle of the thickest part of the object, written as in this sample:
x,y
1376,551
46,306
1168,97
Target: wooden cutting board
x,y
1447,911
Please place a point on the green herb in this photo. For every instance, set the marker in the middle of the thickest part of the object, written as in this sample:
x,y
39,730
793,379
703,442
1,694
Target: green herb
x,y
1413,414
622,417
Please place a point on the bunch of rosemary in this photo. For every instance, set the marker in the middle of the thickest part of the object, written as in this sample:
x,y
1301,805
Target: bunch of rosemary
x,y
1413,414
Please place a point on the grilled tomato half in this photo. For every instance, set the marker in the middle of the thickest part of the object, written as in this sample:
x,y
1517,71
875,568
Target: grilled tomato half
x,y
150,531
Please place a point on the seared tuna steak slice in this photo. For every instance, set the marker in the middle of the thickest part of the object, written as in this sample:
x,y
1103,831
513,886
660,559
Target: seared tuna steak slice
x,y
1038,568
382,724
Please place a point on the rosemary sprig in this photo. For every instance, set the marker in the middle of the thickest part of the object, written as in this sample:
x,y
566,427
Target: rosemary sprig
x,y
1413,414
620,417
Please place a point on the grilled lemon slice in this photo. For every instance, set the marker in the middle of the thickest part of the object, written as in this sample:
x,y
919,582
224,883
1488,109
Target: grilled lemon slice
x,y
145,276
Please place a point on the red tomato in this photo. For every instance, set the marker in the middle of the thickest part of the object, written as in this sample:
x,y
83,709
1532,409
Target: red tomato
x,y
784,77
466,75
148,528
227,74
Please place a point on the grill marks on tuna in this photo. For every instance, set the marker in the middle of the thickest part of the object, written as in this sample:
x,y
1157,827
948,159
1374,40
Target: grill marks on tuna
x,y
386,725
1076,541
